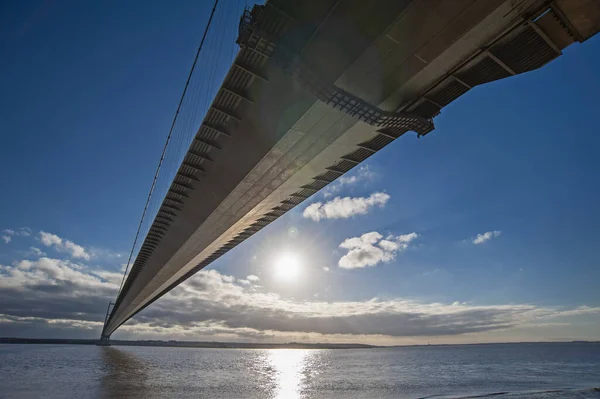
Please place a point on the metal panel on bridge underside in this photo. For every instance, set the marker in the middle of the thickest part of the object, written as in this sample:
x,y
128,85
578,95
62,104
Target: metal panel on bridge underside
x,y
317,87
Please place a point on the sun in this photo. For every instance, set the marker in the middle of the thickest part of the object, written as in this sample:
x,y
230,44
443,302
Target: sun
x,y
287,267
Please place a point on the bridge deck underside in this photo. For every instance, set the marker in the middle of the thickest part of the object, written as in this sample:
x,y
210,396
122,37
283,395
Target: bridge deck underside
x,y
318,87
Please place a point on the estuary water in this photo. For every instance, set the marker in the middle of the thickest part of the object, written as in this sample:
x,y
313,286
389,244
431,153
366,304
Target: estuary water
x,y
533,371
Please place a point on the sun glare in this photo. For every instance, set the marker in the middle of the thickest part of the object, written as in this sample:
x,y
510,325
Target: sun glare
x,y
287,267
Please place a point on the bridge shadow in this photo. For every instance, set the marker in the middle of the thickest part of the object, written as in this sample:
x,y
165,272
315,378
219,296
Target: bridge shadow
x,y
125,377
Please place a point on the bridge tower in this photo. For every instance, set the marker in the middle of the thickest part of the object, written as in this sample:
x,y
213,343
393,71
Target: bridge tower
x,y
105,339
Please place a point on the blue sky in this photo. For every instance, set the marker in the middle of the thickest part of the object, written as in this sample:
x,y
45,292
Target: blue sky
x,y
88,95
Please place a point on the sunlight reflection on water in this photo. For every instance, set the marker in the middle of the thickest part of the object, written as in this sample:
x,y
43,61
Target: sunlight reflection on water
x,y
290,368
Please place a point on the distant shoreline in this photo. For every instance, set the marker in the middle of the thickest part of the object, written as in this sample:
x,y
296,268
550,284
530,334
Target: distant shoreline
x,y
185,344
243,345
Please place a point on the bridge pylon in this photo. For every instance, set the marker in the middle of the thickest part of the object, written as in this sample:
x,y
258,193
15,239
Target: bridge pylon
x,y
105,339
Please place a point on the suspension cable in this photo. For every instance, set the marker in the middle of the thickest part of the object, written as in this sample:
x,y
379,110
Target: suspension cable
x,y
162,156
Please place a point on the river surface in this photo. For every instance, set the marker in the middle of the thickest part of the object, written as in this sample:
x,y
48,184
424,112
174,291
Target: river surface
x,y
531,371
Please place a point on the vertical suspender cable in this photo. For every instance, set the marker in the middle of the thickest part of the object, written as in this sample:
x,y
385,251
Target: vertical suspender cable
x,y
162,156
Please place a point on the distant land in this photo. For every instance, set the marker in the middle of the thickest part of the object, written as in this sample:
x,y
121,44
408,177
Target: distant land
x,y
245,345
184,344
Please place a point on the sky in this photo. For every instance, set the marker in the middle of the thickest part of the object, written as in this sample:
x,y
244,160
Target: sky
x,y
485,230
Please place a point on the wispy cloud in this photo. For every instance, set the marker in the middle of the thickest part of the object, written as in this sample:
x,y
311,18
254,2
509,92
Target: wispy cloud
x,y
481,238
371,249
104,255
10,233
36,252
249,280
343,208
363,174
62,245
22,231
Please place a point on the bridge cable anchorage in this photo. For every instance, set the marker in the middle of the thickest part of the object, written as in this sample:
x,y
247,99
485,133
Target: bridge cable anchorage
x,y
162,156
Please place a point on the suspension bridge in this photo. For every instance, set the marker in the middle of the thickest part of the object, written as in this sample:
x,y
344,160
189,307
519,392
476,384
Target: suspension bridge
x,y
313,89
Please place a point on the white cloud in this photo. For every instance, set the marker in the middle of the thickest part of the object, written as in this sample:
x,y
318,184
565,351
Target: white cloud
x,y
363,174
252,278
371,249
35,274
6,239
50,239
48,294
325,269
61,245
9,232
481,238
343,208
219,304
76,251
